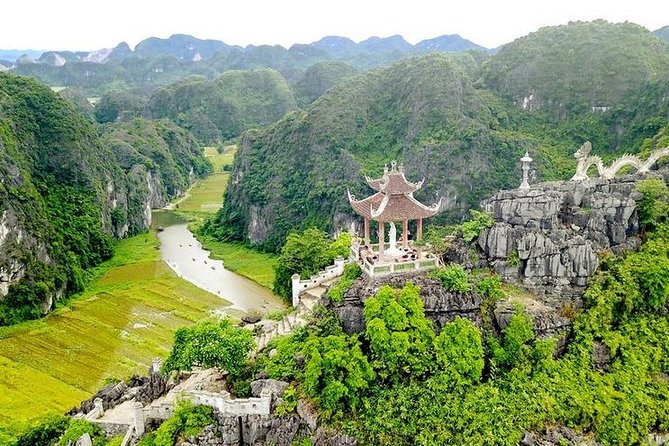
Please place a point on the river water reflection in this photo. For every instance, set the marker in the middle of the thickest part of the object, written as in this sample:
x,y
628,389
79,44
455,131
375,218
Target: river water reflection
x,y
184,254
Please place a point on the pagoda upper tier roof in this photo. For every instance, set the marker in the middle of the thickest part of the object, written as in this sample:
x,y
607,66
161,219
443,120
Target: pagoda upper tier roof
x,y
393,182
384,207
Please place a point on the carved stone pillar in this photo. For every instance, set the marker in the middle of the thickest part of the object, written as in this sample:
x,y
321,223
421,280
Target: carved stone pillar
x,y
381,240
405,233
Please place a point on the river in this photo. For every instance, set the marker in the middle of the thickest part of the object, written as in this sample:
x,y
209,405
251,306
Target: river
x,y
184,254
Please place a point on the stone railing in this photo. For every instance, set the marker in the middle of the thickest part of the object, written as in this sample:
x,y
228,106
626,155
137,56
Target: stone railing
x,y
127,438
384,269
299,286
232,406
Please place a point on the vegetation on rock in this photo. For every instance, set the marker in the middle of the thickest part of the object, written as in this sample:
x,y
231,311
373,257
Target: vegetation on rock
x,y
209,344
306,254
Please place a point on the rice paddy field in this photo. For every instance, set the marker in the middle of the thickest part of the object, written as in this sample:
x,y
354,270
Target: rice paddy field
x,y
206,197
124,320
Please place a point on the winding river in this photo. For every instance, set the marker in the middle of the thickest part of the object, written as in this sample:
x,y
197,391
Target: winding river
x,y
184,254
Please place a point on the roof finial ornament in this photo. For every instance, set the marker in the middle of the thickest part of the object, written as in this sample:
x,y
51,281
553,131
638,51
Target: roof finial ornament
x,y
401,167
393,165
385,169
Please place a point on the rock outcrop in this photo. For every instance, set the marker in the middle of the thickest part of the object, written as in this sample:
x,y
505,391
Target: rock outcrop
x,y
557,436
547,238
441,306
251,430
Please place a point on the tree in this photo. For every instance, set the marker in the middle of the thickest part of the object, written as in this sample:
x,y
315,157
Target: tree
x,y
400,336
654,206
307,254
337,372
209,344
459,352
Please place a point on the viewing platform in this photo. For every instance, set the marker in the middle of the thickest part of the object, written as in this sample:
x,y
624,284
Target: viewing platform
x,y
408,260
393,202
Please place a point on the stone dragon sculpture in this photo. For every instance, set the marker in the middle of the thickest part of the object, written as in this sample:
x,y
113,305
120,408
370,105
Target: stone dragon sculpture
x,y
585,160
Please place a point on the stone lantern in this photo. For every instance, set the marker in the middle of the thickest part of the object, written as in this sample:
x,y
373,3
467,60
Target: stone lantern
x,y
526,160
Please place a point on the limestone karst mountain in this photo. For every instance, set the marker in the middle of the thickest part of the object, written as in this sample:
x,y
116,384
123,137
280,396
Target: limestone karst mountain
x,y
463,135
569,68
65,192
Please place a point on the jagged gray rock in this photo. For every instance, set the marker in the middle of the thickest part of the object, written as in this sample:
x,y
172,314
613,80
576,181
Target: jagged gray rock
x,y
250,430
276,387
111,395
557,436
84,440
441,305
547,238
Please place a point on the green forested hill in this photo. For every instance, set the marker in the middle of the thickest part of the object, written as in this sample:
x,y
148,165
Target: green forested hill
x,y
221,109
423,111
455,121
663,33
318,78
64,194
572,68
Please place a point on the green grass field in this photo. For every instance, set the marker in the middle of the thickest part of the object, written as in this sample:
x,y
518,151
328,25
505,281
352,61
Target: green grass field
x,y
206,197
124,320
255,265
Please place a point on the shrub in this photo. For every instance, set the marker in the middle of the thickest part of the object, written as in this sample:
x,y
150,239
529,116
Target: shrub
x,y
351,272
654,206
187,421
45,432
454,278
209,344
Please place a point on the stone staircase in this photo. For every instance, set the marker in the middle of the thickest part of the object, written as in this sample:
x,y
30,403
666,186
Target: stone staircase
x,y
297,318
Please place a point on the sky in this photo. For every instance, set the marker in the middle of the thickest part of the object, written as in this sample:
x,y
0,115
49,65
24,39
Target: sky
x,y
90,25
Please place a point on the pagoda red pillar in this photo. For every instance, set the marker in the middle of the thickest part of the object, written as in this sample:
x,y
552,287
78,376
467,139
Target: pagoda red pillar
x,y
405,233
367,238
381,240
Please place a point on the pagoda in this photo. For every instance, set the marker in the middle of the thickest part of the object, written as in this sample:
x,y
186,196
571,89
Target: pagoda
x,y
392,202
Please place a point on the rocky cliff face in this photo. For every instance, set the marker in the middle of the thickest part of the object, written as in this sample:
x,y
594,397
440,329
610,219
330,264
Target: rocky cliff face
x,y
441,305
547,238
65,192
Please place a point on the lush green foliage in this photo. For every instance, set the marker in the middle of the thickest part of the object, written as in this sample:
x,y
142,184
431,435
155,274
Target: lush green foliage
x,y
68,192
187,421
351,272
454,278
222,109
337,373
567,68
400,337
319,78
295,174
459,353
45,432
654,206
453,388
77,428
119,105
59,430
306,254
479,221
209,344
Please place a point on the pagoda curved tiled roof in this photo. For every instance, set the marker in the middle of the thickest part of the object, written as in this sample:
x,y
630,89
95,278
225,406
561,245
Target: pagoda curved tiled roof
x,y
393,200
